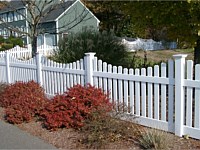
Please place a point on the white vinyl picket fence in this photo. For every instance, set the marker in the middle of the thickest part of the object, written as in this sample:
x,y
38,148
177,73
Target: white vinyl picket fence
x,y
165,97
26,53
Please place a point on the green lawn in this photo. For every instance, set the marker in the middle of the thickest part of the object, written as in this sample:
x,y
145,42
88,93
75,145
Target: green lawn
x,y
164,55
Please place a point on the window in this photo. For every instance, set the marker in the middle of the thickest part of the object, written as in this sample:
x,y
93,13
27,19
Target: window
x,y
40,41
5,33
8,33
50,39
16,16
21,14
10,17
4,18
18,34
23,29
64,35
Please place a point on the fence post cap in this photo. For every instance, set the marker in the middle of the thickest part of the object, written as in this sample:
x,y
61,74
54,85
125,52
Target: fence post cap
x,y
177,56
90,54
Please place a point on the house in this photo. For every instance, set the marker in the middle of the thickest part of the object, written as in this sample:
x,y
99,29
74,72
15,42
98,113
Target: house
x,y
66,17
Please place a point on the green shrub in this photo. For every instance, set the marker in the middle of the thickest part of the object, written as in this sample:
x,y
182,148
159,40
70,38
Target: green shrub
x,y
9,43
2,49
22,101
106,45
139,62
16,41
1,39
72,108
7,46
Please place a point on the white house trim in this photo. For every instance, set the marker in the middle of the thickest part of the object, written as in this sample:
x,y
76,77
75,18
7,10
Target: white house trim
x,y
57,35
27,28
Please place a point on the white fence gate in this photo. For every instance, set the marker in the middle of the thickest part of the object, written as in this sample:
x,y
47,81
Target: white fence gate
x,y
160,97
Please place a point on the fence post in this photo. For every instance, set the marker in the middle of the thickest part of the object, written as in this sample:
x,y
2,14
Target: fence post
x,y
39,68
88,59
179,92
7,60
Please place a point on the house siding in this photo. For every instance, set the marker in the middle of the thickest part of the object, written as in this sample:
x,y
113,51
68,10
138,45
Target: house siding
x,y
17,22
72,20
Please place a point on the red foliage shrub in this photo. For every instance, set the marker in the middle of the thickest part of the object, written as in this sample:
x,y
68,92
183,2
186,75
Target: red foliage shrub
x,y
17,114
22,101
73,107
22,91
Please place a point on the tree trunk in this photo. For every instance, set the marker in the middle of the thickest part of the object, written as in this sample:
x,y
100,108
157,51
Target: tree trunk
x,y
197,52
34,46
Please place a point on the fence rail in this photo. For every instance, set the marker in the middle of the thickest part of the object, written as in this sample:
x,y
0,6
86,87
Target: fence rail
x,y
166,97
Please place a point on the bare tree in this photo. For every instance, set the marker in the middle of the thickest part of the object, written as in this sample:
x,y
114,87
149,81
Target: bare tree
x,y
36,12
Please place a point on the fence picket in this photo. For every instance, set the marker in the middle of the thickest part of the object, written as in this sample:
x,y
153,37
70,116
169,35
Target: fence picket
x,y
115,96
68,77
59,80
126,101
143,93
171,93
95,70
137,93
120,90
197,98
78,76
64,78
7,64
45,74
150,91
71,79
100,70
74,75
189,94
52,79
110,86
163,92
82,68
48,89
105,81
132,93
156,94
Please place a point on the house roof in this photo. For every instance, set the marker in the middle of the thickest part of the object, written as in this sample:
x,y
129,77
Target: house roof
x,y
59,9
12,5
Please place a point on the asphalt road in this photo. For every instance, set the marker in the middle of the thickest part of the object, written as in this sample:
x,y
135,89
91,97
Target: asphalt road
x,y
13,138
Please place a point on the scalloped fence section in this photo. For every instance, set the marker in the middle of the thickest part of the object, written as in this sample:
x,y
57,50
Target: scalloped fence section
x,y
165,97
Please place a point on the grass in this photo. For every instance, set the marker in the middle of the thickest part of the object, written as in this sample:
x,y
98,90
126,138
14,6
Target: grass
x,y
164,55
154,139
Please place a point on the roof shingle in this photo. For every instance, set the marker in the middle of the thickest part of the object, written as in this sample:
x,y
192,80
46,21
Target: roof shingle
x,y
59,9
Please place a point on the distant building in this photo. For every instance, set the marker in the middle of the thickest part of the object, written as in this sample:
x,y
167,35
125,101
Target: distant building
x,y
68,16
